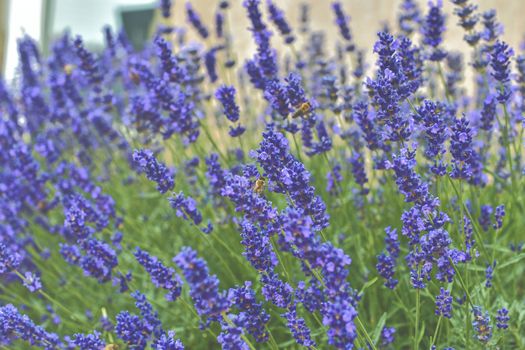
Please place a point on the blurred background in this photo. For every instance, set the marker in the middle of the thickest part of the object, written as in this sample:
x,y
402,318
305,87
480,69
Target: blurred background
x,y
46,19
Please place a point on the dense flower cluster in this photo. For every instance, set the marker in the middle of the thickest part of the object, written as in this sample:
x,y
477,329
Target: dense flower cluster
x,y
203,288
335,196
161,276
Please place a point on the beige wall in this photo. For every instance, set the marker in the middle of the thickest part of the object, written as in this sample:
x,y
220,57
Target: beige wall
x,y
4,11
367,16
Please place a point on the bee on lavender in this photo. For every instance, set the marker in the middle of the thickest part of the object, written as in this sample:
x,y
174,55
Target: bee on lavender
x,y
303,110
259,185
68,69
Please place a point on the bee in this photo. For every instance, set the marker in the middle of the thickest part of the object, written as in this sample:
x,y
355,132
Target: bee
x,y
135,78
303,109
68,68
111,347
258,187
41,205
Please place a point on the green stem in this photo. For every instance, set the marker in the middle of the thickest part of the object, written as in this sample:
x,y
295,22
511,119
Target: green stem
x,y
442,77
51,299
434,337
465,289
416,335
367,336
297,148
214,144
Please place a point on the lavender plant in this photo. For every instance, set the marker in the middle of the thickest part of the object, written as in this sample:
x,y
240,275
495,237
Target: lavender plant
x,y
174,197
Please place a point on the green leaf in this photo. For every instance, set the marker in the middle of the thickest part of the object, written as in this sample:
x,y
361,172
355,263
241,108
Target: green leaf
x,y
511,261
368,284
379,328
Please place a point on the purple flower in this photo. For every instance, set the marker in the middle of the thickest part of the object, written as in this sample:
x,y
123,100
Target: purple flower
x,y
136,330
255,74
341,20
239,189
500,61
488,113
300,330
485,217
230,338
481,324
150,318
195,20
387,261
14,325
386,268
276,93
254,14
276,291
407,180
154,170
204,288
433,29
88,341
132,330
265,59
500,214
296,93
167,342
210,61
122,281
215,174
325,142
468,20
186,208
219,24
398,76
171,68
461,150
409,18
392,242
358,170
444,303
165,7
226,96
312,297
77,212
288,175
88,63
161,276
489,274
468,229
492,29
32,282
366,122
258,248
387,335
502,319
432,116
339,317
236,131
252,316
99,260
333,179
8,261
277,17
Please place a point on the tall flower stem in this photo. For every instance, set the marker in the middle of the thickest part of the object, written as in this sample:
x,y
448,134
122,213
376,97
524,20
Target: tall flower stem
x,y
416,333
367,336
